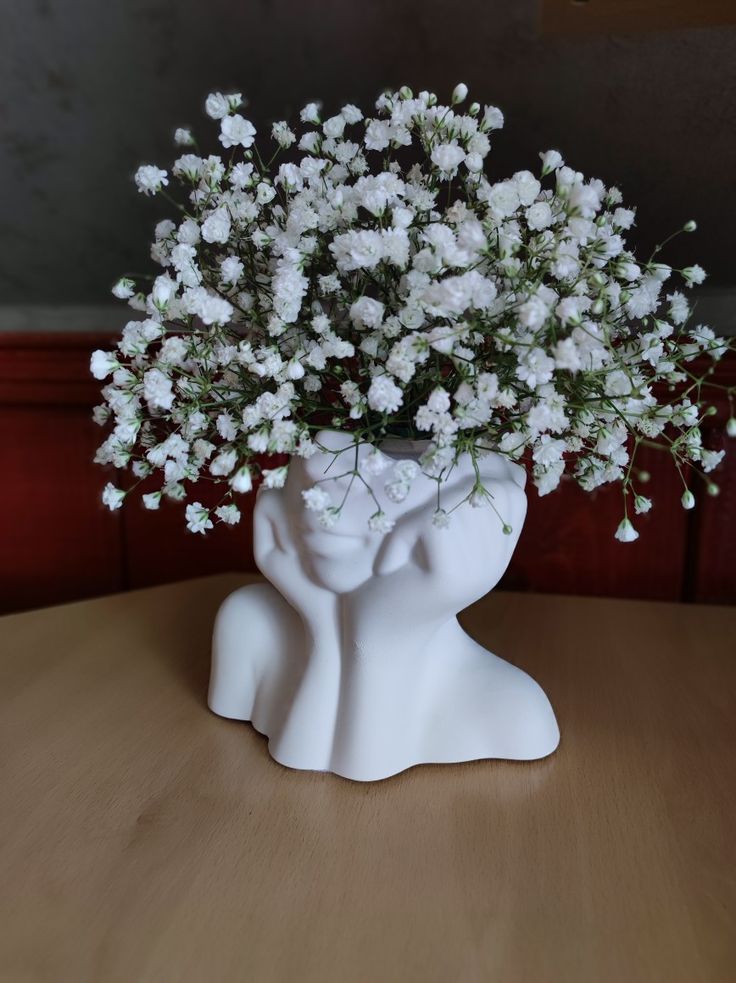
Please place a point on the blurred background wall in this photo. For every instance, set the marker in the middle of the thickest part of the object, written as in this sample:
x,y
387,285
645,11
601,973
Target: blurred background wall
x,y
641,93
91,88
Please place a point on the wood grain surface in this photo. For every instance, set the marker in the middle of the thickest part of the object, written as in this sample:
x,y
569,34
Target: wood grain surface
x,y
144,839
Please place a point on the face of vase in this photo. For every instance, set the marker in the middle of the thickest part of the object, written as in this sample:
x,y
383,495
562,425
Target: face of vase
x,y
342,557
452,567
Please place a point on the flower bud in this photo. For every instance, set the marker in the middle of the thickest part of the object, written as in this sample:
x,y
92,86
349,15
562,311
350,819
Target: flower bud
x,y
731,427
459,93
713,489
474,109
688,499
689,226
405,92
642,504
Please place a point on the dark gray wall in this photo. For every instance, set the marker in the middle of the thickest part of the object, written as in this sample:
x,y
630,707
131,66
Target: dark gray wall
x,y
90,88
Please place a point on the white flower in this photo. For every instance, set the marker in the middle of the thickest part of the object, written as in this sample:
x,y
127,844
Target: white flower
x,y
189,166
351,114
230,514
217,105
328,518
112,497
679,309
231,270
366,312
282,134
535,368
183,137
375,463
241,176
316,499
150,179
216,227
310,113
396,491
503,198
539,216
642,504
124,288
623,218
380,522
551,161
223,464
474,163
626,532
439,400
548,452
479,498
275,477
377,135
102,364
235,131
242,480
334,127
158,390
441,519
711,459
492,118
448,157
527,187
384,396
693,274
198,518
357,250
265,193
406,470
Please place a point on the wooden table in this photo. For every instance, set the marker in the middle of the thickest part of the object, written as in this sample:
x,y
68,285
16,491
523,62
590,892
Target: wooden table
x,y
144,839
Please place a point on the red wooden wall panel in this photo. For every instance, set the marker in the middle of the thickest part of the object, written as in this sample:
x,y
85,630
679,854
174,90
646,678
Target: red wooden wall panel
x,y
59,543
567,545
712,575
711,564
159,547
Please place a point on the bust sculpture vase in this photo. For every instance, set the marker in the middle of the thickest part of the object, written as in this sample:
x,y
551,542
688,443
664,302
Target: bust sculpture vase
x,y
350,659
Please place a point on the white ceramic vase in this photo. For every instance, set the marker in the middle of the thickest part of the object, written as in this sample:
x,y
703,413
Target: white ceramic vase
x,y
351,658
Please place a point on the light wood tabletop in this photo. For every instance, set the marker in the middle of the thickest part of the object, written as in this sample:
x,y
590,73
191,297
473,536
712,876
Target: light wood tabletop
x,y
144,839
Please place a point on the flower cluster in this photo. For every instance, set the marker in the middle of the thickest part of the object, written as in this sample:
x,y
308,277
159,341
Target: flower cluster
x,y
366,275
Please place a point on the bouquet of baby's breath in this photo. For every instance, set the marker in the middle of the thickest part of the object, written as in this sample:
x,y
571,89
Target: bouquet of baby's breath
x,y
367,275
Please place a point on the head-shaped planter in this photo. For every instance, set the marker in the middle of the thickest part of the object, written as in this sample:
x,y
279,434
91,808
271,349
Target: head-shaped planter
x,y
353,660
